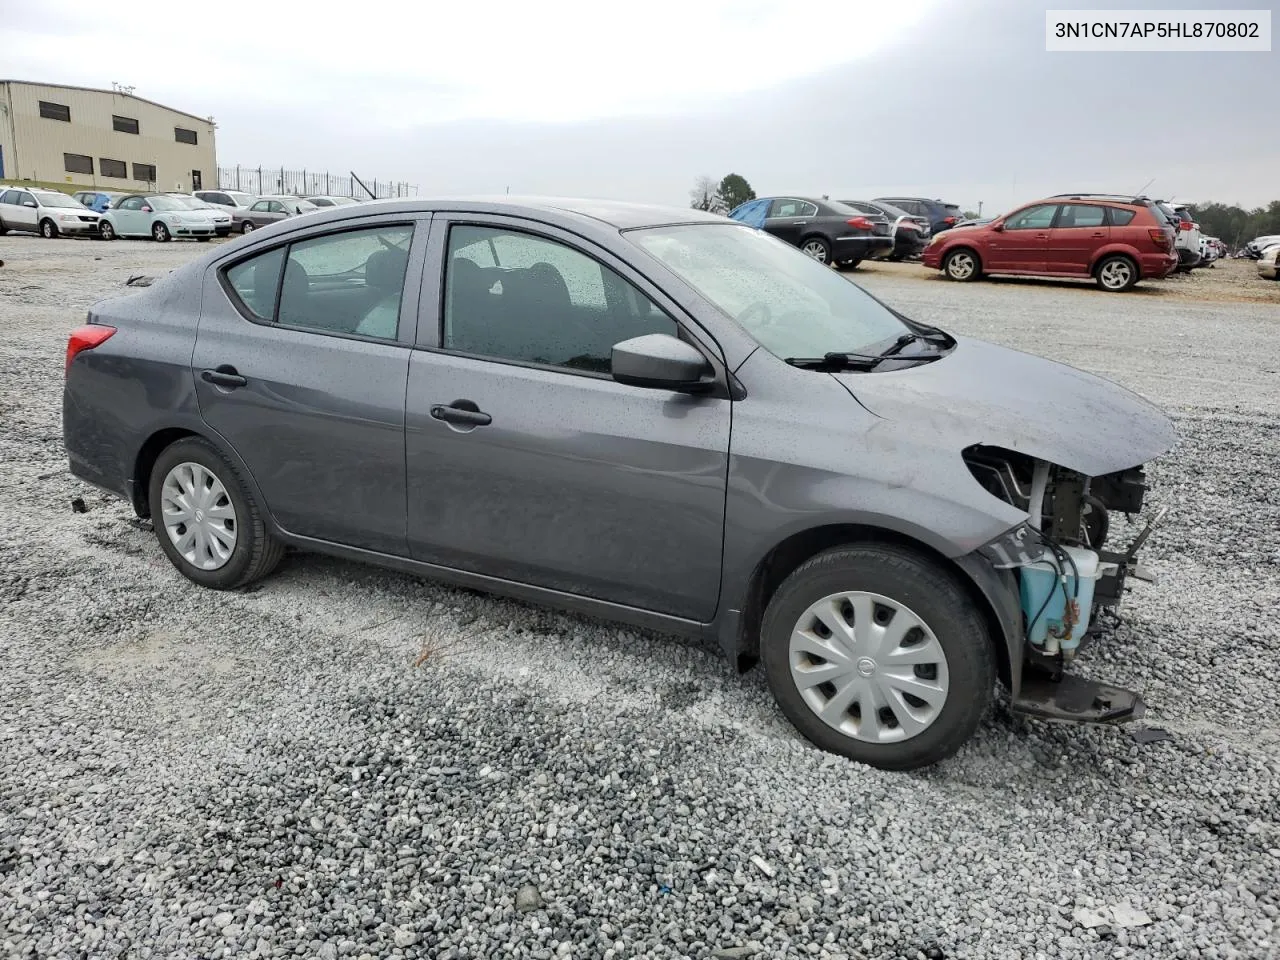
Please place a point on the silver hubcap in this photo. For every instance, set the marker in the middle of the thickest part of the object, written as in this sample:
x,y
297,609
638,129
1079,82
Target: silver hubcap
x,y
159,232
960,266
248,228
1116,273
816,250
869,667
198,516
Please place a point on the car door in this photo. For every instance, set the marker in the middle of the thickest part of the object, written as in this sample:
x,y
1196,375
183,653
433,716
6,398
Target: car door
x,y
1022,242
1080,229
129,218
300,364
260,214
526,460
9,202
788,218
27,211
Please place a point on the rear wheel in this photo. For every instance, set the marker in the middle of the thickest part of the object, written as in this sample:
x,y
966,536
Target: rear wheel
x,y
962,265
1116,273
159,232
879,654
247,227
48,229
206,519
817,248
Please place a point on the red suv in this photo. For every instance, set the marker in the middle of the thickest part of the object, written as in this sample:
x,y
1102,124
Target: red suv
x,y
1115,240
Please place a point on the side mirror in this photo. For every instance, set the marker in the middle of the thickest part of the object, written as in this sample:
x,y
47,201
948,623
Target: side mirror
x,y
997,227
661,361
146,209
29,203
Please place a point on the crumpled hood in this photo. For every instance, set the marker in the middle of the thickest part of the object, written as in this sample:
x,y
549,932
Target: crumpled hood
x,y
984,393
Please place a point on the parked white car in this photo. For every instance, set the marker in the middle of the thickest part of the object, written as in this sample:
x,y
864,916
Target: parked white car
x,y
46,212
1269,263
324,201
157,216
1254,248
231,199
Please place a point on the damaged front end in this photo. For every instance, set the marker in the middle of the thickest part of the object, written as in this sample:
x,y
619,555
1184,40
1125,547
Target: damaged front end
x,y
1068,570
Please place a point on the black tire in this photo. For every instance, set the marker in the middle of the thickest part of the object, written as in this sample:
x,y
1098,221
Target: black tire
x,y
160,233
202,239
816,247
3,229
936,597
106,231
256,552
1115,273
246,227
955,262
850,264
48,229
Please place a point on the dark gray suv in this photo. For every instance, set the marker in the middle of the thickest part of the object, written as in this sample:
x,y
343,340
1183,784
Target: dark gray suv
x,y
658,416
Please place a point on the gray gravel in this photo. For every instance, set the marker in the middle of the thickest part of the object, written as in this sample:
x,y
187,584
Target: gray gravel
x,y
348,762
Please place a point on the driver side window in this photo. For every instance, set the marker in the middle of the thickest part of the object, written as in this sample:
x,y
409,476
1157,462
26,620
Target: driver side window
x,y
519,297
1039,217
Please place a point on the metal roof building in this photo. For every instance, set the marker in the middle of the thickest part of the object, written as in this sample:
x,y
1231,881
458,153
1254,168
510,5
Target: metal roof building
x,y
108,139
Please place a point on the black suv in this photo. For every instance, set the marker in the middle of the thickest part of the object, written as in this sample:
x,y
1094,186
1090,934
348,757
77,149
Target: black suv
x,y
941,216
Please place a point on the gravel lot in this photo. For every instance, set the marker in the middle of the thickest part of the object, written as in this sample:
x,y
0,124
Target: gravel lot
x,y
347,762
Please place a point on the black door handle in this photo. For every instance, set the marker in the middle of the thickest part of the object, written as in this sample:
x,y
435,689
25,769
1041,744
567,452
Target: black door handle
x,y
455,413
223,376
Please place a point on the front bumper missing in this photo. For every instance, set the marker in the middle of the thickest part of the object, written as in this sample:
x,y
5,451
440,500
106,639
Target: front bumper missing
x,y
1076,700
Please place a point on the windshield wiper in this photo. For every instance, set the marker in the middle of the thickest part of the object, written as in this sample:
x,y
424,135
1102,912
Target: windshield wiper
x,y
846,361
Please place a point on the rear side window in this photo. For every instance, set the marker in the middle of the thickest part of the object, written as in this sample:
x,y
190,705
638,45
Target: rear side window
x,y
9,196
1120,217
1081,215
346,283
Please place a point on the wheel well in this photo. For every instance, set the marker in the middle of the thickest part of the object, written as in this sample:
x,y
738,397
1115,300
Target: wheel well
x,y
1115,253
783,559
147,457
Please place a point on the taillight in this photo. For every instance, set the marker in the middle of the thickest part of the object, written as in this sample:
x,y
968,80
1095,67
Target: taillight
x,y
86,338
861,223
1159,238
1184,224
950,221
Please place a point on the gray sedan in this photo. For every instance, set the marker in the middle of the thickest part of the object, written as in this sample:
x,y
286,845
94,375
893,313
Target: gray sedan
x,y
267,210
658,416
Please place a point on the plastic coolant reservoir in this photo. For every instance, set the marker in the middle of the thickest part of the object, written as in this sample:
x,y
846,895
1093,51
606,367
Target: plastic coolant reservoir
x,y
1040,579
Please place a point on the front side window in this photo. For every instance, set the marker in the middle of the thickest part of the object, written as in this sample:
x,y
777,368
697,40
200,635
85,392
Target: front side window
x,y
1039,217
1081,215
9,196
792,305
529,299
347,283
130,203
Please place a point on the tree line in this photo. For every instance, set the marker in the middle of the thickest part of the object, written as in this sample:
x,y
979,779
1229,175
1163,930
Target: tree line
x,y
730,192
1236,226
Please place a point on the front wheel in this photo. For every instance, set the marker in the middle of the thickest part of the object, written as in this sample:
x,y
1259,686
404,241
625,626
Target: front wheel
x,y
878,654
206,519
159,232
962,265
106,230
1116,273
48,229
817,248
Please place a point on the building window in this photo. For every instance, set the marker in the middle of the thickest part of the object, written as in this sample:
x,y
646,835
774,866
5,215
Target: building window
x,y
124,124
184,136
77,163
145,172
113,168
55,111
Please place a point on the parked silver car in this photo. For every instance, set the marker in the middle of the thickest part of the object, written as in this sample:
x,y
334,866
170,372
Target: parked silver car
x,y
327,201
268,210
49,213
659,416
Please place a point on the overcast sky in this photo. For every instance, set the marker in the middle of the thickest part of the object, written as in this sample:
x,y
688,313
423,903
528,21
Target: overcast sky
x,y
955,99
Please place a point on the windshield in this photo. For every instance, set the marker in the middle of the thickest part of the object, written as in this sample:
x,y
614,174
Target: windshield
x,y
241,199
304,206
792,305
187,203
58,200
166,203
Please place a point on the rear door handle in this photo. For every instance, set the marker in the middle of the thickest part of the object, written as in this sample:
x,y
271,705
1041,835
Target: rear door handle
x,y
223,376
453,413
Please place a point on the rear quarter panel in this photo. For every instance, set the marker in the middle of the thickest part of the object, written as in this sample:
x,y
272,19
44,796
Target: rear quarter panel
x,y
138,382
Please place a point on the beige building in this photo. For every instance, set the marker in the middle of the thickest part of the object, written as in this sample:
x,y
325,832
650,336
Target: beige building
x,y
102,138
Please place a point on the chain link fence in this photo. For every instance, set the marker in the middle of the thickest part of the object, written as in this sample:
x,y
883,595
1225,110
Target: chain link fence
x,y
310,183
